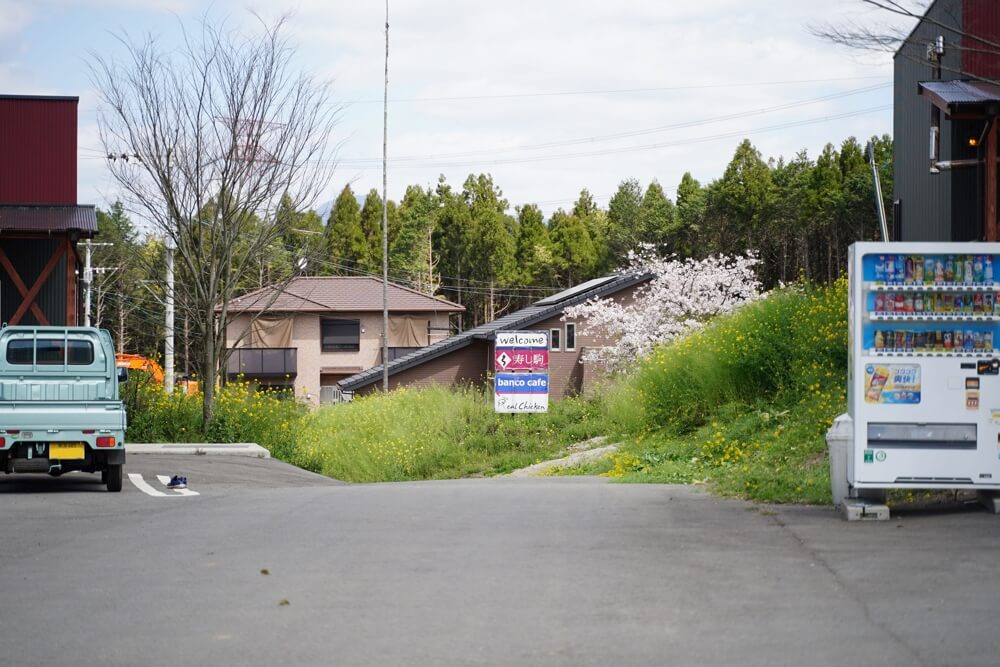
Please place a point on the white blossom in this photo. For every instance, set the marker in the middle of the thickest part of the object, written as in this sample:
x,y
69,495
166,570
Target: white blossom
x,y
681,296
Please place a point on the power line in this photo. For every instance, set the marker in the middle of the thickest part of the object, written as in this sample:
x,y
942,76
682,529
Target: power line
x,y
614,91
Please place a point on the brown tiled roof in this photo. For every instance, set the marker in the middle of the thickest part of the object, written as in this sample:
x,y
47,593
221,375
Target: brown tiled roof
x,y
339,293
14,218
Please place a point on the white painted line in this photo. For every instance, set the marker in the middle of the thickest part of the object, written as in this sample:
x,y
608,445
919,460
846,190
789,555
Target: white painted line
x,y
141,484
164,480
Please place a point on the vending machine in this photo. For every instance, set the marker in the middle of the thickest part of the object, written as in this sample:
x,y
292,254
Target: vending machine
x,y
924,368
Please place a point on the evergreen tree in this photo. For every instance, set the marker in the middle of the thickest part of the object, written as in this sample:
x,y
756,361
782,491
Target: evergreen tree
x,y
624,230
574,249
345,240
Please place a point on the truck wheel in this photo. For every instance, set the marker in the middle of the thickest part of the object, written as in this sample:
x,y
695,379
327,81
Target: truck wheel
x,y
113,477
104,477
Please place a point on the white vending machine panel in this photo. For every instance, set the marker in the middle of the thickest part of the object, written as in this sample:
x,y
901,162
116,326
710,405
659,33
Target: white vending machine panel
x,y
923,367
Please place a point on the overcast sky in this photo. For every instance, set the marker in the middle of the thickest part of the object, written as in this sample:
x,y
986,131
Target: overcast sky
x,y
549,96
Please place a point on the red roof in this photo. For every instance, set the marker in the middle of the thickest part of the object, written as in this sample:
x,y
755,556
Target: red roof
x,y
48,219
339,293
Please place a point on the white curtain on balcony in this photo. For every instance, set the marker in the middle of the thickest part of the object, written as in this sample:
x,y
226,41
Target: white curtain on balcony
x,y
407,332
271,332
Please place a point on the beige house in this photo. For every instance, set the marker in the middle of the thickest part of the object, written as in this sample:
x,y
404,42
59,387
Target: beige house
x,y
320,330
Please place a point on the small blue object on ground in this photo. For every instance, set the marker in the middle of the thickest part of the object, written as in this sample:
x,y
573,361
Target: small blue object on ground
x,y
177,482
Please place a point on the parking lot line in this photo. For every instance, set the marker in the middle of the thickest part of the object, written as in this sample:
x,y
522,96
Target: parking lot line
x,y
143,486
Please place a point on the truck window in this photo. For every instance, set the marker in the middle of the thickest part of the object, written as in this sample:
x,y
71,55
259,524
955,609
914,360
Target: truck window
x,y
51,352
20,352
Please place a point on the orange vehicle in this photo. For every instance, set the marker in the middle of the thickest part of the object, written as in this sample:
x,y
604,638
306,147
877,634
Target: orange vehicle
x,y
138,362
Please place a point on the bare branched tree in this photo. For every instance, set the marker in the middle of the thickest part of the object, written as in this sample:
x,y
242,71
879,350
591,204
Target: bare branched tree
x,y
890,38
205,141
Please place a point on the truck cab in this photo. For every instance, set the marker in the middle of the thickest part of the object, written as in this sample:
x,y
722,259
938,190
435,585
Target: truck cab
x,y
60,409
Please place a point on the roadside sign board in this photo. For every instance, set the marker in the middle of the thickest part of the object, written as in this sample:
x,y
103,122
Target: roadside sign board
x,y
527,390
521,392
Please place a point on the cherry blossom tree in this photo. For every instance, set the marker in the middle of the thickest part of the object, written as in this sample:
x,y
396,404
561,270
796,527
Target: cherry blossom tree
x,y
681,296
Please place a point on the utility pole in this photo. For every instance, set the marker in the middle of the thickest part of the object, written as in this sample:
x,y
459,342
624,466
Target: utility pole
x,y
385,214
88,279
168,346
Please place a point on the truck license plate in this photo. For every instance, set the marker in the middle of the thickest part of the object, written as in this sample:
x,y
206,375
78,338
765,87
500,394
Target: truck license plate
x,y
66,451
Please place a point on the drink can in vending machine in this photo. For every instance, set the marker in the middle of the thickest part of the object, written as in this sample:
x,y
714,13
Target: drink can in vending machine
x,y
928,270
946,340
900,269
919,340
967,344
938,339
988,303
949,269
908,270
879,303
908,344
879,340
918,269
958,339
977,340
988,341
977,304
959,269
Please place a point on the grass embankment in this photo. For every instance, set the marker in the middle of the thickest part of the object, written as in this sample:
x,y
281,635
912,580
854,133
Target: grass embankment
x,y
436,433
743,404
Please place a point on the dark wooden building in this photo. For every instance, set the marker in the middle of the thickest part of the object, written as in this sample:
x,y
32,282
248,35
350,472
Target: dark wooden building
x,y
40,220
468,358
945,124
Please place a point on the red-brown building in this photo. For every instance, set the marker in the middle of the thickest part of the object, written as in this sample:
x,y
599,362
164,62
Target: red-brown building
x,y
40,220
468,358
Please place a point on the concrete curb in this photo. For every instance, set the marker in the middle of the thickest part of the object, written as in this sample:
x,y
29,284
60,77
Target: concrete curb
x,y
251,449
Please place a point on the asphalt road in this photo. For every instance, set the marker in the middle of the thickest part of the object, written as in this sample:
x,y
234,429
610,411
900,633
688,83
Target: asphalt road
x,y
272,565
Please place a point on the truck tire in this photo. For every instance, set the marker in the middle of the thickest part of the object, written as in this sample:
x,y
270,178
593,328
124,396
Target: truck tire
x,y
113,477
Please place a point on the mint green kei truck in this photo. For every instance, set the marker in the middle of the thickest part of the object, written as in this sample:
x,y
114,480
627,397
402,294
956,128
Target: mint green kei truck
x,y
59,405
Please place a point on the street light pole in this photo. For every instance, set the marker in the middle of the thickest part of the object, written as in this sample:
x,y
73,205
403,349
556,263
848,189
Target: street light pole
x,y
385,213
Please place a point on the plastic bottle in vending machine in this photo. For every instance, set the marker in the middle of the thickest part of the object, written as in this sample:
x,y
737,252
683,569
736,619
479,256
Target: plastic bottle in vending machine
x,y
946,340
890,269
879,340
977,304
918,269
988,270
988,303
890,302
959,269
967,274
918,303
938,271
908,270
938,340
977,340
988,341
928,270
908,303
900,303
880,269
949,269
967,343
900,269
879,303
977,269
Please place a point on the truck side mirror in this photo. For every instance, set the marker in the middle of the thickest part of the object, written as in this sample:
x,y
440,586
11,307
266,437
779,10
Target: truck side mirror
x,y
122,375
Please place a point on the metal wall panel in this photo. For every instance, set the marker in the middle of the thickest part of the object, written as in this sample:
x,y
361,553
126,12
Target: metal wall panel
x,y
981,18
38,150
925,199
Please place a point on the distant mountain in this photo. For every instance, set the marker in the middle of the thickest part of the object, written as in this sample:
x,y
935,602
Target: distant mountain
x,y
323,210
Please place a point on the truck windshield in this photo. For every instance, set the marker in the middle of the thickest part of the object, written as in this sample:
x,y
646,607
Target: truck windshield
x,y
51,352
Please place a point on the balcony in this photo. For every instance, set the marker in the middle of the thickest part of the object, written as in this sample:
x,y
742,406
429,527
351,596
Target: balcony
x,y
262,362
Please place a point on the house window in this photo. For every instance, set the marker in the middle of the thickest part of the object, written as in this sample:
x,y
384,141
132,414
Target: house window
x,y
570,336
340,335
554,339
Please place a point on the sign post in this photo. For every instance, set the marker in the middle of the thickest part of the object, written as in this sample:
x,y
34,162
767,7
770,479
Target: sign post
x,y
521,362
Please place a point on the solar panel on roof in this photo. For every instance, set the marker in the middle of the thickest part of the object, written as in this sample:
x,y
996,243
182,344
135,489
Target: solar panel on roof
x,y
573,291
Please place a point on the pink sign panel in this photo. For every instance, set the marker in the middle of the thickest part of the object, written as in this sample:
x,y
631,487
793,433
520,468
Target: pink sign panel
x,y
512,359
